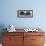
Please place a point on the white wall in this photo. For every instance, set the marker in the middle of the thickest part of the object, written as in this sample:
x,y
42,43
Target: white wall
x,y
9,13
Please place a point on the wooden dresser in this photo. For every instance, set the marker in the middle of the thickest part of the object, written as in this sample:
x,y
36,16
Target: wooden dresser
x,y
23,39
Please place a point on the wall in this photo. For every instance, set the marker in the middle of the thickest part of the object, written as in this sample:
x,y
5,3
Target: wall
x,y
9,13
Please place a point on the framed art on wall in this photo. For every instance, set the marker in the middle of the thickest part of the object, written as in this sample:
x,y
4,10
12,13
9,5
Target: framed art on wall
x,y
25,13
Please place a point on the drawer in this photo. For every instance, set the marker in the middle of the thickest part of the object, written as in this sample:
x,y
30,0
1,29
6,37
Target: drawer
x,y
20,44
37,44
37,39
13,33
34,33
12,39
8,45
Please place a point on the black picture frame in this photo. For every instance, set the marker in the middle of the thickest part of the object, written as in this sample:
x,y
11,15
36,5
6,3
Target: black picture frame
x,y
24,13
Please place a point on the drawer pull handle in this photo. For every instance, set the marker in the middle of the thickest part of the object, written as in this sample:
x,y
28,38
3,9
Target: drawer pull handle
x,y
33,39
11,38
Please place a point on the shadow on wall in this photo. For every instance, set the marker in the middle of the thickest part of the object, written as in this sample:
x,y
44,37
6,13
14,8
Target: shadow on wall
x,y
2,26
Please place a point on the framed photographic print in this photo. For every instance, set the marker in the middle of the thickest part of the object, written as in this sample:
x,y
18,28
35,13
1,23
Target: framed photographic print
x,y
25,13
